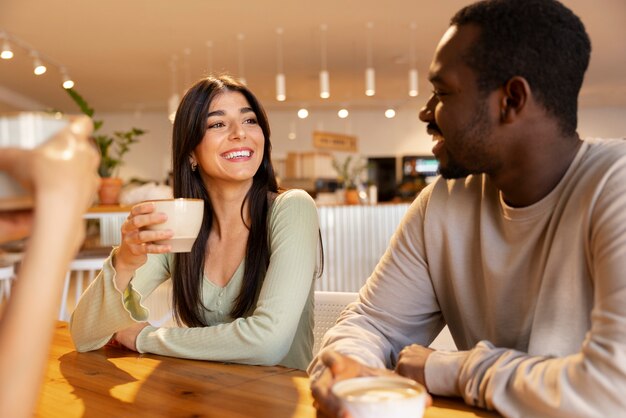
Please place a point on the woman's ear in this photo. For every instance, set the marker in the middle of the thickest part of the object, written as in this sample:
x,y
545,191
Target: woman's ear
x,y
514,100
193,163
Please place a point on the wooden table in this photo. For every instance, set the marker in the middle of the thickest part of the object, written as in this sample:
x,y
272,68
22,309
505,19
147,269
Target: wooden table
x,y
112,382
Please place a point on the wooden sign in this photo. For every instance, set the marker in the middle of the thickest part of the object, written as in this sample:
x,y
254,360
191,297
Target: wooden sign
x,y
337,142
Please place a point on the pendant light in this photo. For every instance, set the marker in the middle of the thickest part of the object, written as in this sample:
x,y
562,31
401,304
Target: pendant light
x,y
68,83
413,75
281,94
242,77
324,78
172,103
370,75
7,52
38,67
209,55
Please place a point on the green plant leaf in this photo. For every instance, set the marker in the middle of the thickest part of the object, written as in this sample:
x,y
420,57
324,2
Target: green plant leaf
x,y
112,148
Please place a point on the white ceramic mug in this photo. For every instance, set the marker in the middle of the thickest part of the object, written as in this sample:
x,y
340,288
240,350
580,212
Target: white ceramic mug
x,y
184,217
25,130
381,397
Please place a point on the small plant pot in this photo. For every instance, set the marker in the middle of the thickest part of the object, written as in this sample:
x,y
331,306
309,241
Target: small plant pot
x,y
109,192
352,197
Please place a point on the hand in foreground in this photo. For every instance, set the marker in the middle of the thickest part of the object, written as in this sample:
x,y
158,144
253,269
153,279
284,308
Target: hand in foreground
x,y
62,178
412,362
338,367
128,336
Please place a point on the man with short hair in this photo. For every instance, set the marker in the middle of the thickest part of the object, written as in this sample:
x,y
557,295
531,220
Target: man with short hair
x,y
519,246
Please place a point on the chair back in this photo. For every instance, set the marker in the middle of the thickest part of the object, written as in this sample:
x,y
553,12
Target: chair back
x,y
82,271
328,306
7,275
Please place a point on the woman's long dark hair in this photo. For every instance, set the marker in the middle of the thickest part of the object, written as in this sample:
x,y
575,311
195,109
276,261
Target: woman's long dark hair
x,y
187,271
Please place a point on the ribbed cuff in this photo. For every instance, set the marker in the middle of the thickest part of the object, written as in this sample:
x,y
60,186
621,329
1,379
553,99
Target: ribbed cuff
x,y
442,372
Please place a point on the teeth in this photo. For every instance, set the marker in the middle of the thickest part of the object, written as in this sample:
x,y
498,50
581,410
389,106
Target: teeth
x,y
237,154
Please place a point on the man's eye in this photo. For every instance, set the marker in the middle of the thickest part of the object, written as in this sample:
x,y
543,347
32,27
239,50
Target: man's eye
x,y
438,93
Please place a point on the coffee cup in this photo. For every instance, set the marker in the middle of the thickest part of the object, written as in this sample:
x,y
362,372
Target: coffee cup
x,y
184,217
25,130
381,396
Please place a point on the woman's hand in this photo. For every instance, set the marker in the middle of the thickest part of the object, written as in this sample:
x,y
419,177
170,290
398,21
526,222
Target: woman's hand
x,y
128,336
137,240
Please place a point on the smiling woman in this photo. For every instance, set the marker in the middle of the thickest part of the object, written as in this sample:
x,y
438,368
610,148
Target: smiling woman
x,y
245,291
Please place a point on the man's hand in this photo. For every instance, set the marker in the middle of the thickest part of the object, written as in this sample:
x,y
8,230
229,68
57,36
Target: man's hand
x,y
412,362
338,367
128,336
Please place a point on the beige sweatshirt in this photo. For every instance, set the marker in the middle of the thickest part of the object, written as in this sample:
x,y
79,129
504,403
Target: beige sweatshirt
x,y
535,297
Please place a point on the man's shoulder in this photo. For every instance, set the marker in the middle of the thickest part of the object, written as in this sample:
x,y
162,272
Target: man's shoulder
x,y
602,154
615,147
444,197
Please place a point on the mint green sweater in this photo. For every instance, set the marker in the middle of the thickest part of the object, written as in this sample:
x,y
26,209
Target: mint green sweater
x,y
279,331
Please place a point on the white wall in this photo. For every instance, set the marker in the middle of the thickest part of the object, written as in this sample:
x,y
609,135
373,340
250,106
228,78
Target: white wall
x,y
377,135
602,123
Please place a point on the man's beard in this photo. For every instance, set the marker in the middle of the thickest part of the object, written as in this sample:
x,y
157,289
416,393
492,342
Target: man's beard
x,y
473,138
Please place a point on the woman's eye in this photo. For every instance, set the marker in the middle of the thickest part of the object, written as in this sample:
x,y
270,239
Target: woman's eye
x,y
438,93
215,125
250,121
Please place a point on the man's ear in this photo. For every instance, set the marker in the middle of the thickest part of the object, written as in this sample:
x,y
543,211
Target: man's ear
x,y
515,98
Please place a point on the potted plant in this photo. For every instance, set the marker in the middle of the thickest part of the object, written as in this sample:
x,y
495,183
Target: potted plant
x,y
112,150
348,176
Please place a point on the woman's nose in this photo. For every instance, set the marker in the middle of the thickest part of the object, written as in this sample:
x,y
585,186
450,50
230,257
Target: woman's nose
x,y
238,132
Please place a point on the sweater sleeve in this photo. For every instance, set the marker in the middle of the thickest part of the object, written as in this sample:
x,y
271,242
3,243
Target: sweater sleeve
x,y
264,337
103,309
589,383
396,306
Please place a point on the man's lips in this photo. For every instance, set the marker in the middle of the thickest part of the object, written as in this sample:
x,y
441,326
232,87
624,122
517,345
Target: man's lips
x,y
432,129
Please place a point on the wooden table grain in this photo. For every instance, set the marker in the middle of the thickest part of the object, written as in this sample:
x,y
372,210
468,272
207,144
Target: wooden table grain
x,y
113,382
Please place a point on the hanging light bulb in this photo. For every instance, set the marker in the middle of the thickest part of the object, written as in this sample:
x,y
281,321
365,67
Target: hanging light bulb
x,y
370,75
209,47
292,131
413,75
242,77
413,86
343,113
280,77
280,87
390,113
68,83
370,84
7,52
172,103
172,106
38,66
324,85
303,113
324,77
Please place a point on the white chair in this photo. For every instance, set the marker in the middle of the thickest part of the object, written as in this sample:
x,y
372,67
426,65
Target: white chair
x,y
444,341
7,274
79,270
328,306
